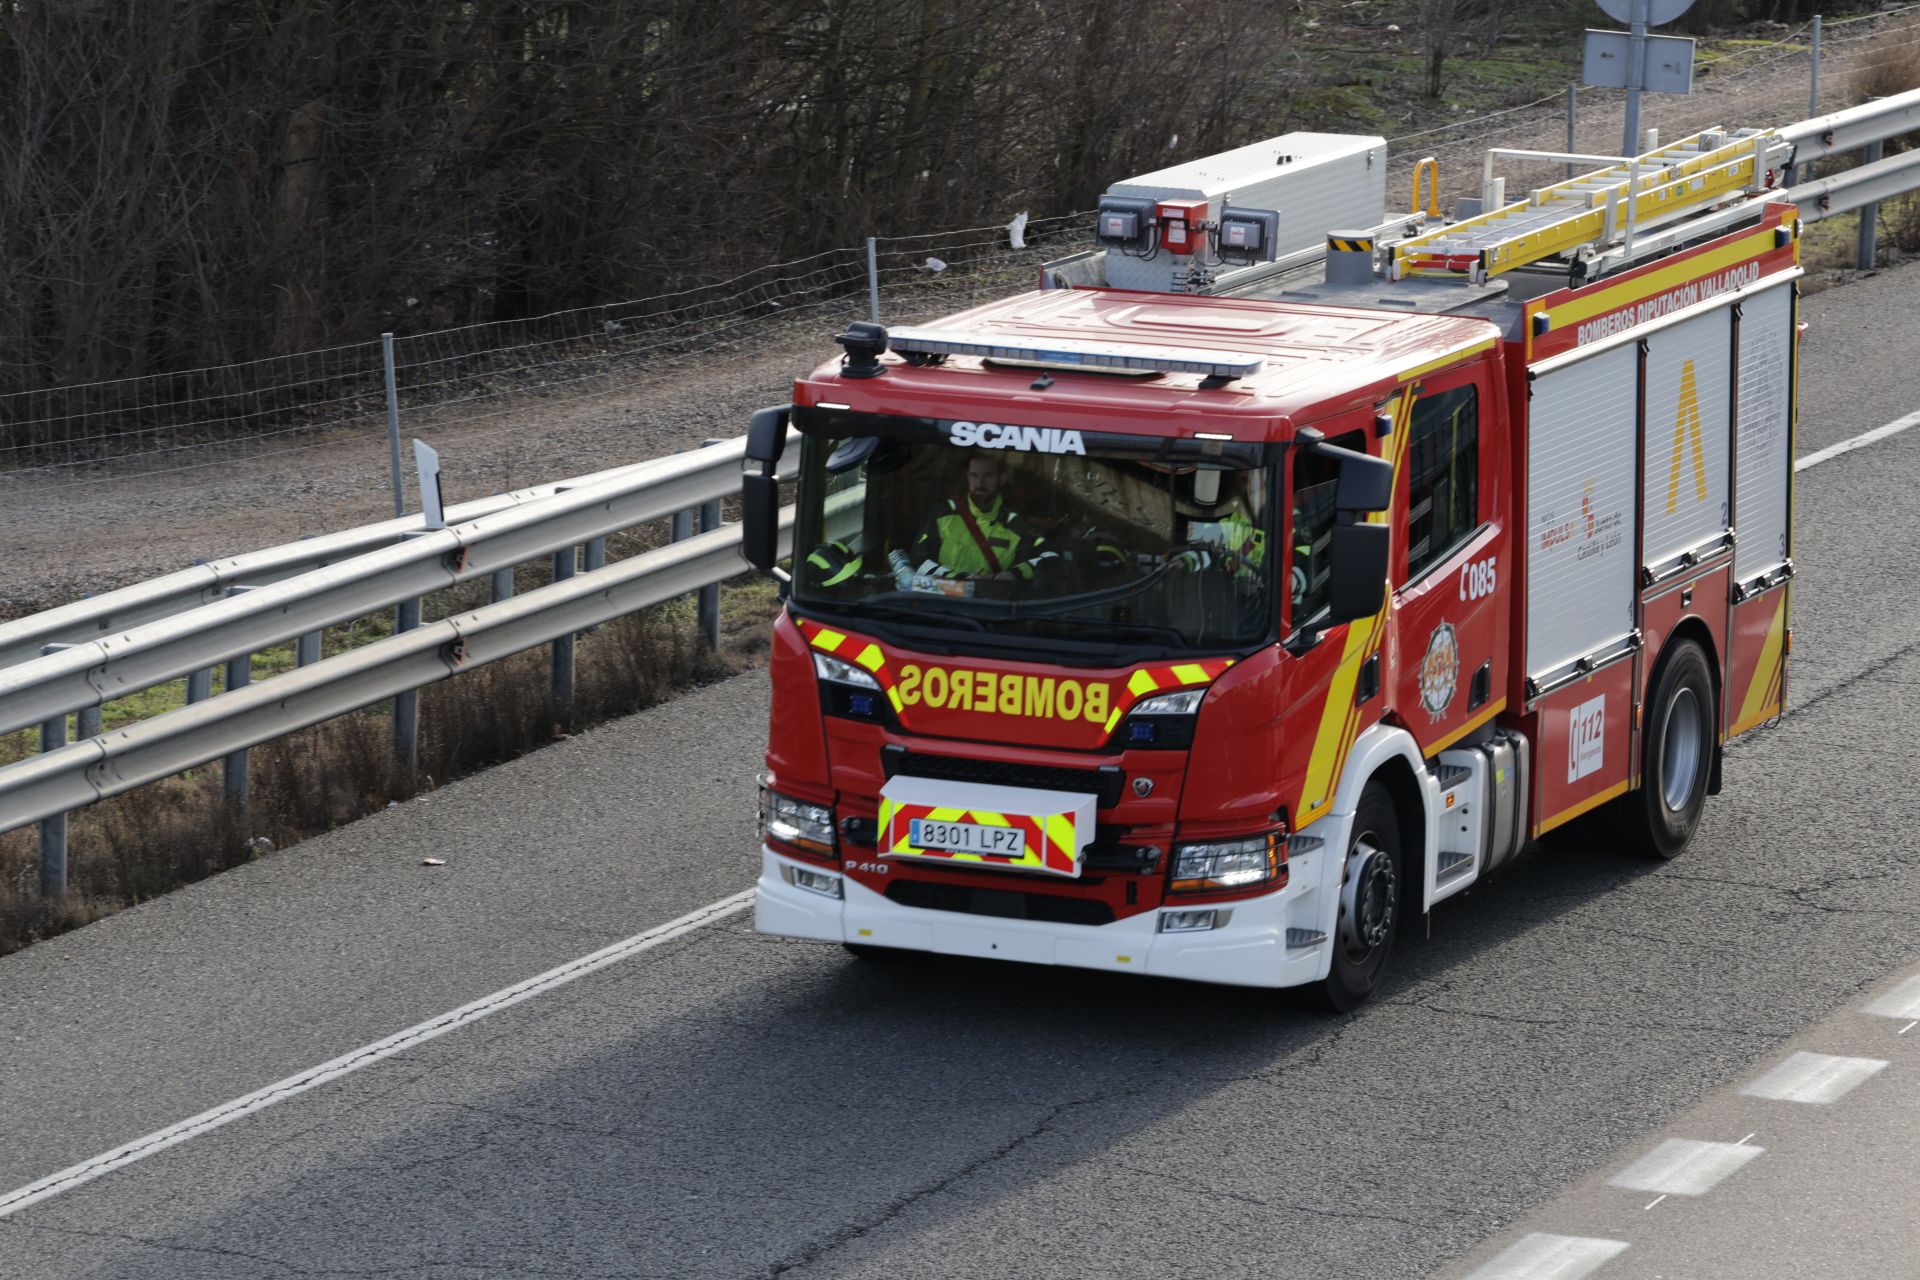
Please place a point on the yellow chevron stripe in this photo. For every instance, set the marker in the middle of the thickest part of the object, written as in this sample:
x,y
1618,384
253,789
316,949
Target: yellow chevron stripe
x,y
1141,683
1761,703
828,640
871,658
1190,673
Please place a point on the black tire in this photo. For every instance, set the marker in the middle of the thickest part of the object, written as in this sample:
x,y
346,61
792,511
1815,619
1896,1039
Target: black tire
x,y
1371,896
1676,758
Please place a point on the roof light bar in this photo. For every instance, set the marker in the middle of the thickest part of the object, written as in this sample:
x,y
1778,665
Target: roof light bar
x,y
1084,355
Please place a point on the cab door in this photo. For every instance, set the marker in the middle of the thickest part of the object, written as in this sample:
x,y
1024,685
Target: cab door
x,y
1450,563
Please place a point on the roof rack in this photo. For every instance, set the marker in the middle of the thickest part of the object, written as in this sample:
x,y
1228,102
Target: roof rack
x,y
1591,215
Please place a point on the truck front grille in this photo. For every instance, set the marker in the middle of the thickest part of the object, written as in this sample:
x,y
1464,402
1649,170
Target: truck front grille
x,y
1008,904
1105,783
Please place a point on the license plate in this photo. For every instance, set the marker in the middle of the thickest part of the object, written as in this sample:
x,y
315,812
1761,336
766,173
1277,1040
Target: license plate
x,y
966,837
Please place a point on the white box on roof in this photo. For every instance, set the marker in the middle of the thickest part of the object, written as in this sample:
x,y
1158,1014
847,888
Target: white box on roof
x,y
1316,181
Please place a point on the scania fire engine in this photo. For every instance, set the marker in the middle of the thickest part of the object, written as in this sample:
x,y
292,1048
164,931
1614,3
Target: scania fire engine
x,y
1279,568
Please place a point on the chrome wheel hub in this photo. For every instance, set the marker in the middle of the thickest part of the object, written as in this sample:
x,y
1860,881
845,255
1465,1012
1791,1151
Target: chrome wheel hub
x,y
1683,746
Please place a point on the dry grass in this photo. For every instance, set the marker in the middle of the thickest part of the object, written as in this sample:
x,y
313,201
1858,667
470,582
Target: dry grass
x,y
149,841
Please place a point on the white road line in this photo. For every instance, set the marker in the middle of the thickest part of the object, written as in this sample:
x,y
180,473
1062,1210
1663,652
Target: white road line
x,y
1656,1200
1683,1167
312,1078
1901,1002
1542,1256
1861,441
1813,1077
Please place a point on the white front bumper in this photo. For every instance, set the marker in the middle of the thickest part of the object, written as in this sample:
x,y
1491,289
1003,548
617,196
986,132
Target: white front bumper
x,y
1250,950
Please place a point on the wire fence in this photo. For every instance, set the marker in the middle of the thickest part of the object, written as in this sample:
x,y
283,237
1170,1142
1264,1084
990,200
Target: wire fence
x,y
1750,86
82,435
197,418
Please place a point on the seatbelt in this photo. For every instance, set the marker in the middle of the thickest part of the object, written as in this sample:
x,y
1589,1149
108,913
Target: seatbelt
x,y
965,506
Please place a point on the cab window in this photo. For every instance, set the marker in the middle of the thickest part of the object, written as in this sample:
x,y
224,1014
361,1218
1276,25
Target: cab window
x,y
1443,469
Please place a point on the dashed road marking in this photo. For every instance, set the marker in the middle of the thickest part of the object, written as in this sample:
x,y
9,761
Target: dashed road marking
x,y
1543,1256
1814,1077
1901,1002
1860,441
1684,1167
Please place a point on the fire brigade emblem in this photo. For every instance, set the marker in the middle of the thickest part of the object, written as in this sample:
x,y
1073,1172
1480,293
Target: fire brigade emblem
x,y
1440,671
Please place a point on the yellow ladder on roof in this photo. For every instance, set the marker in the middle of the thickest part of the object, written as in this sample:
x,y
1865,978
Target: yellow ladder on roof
x,y
1591,209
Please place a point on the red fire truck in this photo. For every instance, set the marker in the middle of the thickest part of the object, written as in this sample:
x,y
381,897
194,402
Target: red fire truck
x,y
1256,584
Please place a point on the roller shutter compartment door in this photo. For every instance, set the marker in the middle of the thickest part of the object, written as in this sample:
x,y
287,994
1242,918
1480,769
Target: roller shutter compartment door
x,y
1689,408
1581,422
1763,431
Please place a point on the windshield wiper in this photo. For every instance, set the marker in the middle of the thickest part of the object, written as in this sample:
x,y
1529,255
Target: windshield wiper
x,y
919,617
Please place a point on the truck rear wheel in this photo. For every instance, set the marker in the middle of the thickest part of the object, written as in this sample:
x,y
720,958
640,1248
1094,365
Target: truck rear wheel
x,y
1370,895
1676,755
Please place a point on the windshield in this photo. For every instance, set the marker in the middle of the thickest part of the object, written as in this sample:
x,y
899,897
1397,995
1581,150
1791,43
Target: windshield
x,y
1024,531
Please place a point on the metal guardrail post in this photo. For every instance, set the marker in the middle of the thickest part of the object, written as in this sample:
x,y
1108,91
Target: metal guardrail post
x,y
406,706
1869,214
199,685
233,769
565,565
500,585
53,828
306,649
88,721
707,612
596,556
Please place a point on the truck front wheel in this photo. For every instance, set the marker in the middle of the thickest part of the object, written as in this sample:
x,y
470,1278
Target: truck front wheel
x,y
1677,755
1370,895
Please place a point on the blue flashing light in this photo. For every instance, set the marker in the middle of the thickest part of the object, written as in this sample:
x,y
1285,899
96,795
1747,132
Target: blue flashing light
x,y
1140,731
861,704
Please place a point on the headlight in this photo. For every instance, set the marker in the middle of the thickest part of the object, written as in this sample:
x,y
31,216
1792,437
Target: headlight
x,y
828,667
1184,703
1229,864
796,822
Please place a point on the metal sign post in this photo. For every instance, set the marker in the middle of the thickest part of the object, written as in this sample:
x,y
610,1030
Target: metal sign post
x,y
1633,60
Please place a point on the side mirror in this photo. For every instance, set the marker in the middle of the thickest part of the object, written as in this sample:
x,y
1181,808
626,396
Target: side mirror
x,y
767,433
1365,484
1358,583
760,490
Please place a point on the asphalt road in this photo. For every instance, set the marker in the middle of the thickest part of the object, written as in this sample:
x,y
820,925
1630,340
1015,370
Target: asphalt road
x,y
728,1105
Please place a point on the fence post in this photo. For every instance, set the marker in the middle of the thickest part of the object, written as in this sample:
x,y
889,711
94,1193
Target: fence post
x,y
1869,214
393,425
873,281
1813,81
53,828
565,564
708,611
1573,98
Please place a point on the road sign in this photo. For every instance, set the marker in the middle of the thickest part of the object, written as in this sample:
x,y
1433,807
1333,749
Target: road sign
x,y
1658,13
1608,63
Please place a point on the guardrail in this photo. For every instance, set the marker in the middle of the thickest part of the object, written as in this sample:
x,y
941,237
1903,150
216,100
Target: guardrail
x,y
185,623
58,781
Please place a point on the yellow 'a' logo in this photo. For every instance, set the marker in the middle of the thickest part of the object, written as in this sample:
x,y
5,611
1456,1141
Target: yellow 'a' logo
x,y
1687,423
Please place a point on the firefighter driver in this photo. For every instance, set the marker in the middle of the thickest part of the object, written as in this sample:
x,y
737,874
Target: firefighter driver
x,y
975,536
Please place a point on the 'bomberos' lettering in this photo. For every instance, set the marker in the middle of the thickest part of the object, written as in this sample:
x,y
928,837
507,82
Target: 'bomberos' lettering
x,y
1006,694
